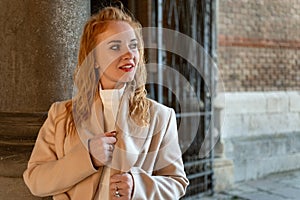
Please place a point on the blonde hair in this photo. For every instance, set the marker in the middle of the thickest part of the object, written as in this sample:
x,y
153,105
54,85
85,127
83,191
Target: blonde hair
x,y
85,76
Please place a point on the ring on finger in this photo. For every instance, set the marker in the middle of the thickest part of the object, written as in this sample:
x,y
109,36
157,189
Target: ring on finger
x,y
110,147
117,193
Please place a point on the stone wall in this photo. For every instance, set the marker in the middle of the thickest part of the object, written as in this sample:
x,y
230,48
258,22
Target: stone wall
x,y
259,44
261,132
258,58
38,53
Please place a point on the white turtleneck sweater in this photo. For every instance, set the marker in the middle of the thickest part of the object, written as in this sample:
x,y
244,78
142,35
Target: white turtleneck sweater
x,y
111,101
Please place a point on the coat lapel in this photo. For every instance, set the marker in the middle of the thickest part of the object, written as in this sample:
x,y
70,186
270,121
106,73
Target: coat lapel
x,y
94,125
130,139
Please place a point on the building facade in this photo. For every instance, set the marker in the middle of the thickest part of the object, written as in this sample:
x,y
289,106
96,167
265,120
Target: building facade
x,y
258,59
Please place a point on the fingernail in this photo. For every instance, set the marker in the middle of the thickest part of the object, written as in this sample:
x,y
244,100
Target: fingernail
x,y
114,132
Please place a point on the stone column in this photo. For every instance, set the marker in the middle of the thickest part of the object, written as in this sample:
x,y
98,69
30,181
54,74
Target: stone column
x,y
38,52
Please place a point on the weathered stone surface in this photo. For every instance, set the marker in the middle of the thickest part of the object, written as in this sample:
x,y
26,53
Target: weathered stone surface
x,y
38,50
223,174
15,188
277,102
38,53
245,103
249,114
234,126
255,157
16,126
294,98
259,124
14,158
37,57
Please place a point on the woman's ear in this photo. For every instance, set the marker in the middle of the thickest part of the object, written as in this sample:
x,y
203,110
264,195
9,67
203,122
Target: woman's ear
x,y
96,65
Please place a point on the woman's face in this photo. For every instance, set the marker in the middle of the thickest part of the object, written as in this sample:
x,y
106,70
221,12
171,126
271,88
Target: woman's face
x,y
117,54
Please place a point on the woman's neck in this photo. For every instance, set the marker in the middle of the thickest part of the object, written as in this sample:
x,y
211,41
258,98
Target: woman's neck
x,y
111,86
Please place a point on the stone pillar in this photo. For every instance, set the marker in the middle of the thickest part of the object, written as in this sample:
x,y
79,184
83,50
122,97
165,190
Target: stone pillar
x,y
38,53
223,167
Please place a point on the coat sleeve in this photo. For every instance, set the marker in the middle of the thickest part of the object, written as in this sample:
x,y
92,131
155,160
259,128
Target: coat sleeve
x,y
168,180
47,173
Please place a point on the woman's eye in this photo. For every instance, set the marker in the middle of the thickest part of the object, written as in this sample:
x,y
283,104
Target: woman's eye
x,y
115,47
133,46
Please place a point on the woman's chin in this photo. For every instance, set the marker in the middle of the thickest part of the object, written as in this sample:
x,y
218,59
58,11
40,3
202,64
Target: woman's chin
x,y
126,79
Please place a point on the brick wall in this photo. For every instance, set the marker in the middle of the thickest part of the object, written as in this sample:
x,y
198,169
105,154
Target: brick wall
x,y
259,44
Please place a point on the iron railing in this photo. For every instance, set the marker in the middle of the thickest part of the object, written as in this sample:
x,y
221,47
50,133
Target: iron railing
x,y
195,18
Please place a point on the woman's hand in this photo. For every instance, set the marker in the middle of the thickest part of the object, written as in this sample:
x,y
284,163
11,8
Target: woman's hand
x,y
121,184
101,148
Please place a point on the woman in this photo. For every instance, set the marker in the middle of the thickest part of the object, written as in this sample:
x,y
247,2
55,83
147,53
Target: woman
x,y
109,141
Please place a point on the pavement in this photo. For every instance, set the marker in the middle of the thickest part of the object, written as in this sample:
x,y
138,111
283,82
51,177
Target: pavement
x,y
279,186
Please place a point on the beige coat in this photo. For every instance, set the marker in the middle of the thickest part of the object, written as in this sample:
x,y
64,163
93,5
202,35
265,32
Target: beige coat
x,y
60,165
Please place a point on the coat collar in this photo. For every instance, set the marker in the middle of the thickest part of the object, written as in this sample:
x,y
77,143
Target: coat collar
x,y
130,136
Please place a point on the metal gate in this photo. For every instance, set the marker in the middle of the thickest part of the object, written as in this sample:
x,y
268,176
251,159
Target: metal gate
x,y
196,19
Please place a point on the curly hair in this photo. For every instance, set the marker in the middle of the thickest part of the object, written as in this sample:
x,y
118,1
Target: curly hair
x,y
85,76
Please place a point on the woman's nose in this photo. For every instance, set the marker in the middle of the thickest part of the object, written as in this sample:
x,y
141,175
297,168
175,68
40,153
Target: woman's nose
x,y
128,54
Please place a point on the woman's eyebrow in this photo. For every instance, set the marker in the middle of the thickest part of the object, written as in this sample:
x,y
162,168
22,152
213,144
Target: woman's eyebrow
x,y
114,41
119,41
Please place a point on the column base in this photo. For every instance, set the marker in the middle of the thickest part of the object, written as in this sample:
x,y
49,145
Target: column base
x,y
223,174
15,188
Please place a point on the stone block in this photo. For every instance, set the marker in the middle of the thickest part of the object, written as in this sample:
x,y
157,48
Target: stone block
x,y
272,123
290,162
239,170
244,103
261,167
223,174
218,106
292,144
228,147
253,125
234,126
255,157
294,98
277,102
